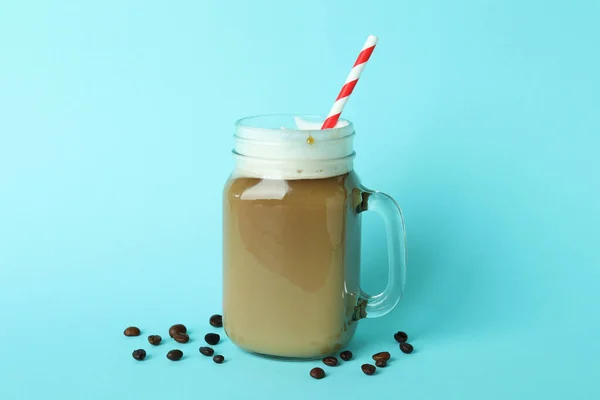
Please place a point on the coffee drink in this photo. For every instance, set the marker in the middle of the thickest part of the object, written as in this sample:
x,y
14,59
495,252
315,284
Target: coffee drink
x,y
291,239
291,271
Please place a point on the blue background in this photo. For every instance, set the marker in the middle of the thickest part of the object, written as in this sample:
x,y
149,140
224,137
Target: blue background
x,y
480,117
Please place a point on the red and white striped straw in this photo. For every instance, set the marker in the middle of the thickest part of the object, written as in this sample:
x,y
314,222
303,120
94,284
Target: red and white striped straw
x,y
351,81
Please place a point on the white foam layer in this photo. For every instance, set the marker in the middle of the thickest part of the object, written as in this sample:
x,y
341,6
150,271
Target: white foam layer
x,y
304,152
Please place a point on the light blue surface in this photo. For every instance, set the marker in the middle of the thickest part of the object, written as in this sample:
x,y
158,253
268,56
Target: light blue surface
x,y
480,117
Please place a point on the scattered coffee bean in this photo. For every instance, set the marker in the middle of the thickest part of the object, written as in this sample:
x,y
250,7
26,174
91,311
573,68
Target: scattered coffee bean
x,y
384,355
368,369
406,348
154,340
317,373
216,321
212,338
381,363
330,361
181,337
346,355
175,355
400,337
132,331
207,351
219,359
177,328
139,354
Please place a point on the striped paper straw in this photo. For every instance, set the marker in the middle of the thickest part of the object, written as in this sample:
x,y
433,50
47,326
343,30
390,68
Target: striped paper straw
x,y
351,81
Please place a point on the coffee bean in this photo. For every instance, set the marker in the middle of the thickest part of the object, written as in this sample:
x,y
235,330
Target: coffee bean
x,y
177,328
139,354
400,337
330,361
216,321
406,348
212,338
368,369
154,340
219,359
207,351
181,337
132,331
384,355
381,363
317,373
346,355
175,355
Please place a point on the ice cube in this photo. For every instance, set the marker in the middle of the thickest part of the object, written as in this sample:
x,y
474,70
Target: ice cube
x,y
304,125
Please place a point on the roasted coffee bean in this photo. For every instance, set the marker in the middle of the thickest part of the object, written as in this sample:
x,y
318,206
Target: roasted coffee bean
x,y
330,361
381,363
212,338
175,355
346,355
400,337
219,359
154,340
384,355
368,369
406,348
181,337
216,321
177,328
139,354
132,331
207,351
317,373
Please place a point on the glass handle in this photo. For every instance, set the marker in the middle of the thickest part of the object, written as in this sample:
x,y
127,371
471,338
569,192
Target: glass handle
x,y
384,205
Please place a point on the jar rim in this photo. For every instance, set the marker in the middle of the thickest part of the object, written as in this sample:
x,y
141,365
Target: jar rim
x,y
265,123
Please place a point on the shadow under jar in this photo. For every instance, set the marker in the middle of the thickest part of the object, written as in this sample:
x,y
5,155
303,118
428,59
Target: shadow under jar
x,y
291,239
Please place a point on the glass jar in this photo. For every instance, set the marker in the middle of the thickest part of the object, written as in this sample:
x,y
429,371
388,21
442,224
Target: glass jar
x,y
292,239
